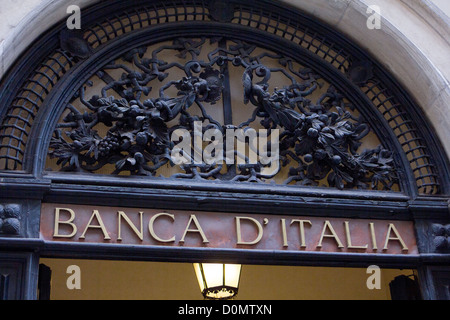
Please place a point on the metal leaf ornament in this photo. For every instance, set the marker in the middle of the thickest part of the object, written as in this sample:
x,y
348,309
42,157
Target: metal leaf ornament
x,y
319,140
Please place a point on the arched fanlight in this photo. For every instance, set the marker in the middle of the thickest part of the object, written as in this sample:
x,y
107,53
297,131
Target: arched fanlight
x,y
218,281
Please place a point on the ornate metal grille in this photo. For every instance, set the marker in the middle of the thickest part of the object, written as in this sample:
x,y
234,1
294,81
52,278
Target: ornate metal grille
x,y
17,123
321,131
262,16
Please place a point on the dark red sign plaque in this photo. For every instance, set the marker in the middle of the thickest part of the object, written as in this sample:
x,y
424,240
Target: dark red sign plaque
x,y
155,227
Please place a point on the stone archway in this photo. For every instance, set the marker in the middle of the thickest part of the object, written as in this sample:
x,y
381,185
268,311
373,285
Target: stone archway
x,y
412,43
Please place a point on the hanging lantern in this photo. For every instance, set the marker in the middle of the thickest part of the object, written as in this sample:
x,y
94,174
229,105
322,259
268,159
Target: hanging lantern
x,y
218,281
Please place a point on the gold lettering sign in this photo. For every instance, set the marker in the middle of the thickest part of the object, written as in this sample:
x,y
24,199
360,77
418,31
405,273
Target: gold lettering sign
x,y
151,227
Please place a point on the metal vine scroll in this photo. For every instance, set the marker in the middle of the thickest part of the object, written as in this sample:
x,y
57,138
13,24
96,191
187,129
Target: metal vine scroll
x,y
127,124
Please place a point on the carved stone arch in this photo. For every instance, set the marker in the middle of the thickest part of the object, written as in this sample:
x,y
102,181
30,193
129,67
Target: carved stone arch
x,y
320,42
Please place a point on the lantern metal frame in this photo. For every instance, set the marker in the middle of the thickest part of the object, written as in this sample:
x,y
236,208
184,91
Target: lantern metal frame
x,y
208,292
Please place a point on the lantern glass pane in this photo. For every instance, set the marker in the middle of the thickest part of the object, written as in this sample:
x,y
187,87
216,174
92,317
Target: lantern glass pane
x,y
198,273
232,274
213,274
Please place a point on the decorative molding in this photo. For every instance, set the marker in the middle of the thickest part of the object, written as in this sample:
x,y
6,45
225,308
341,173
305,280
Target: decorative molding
x,y
221,10
433,15
10,215
4,286
360,72
441,237
21,269
73,42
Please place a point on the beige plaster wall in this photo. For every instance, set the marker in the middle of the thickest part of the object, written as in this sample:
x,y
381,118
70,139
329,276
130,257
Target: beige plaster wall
x,y
413,42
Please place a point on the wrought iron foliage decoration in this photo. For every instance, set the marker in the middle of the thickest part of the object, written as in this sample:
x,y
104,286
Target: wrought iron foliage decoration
x,y
127,125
